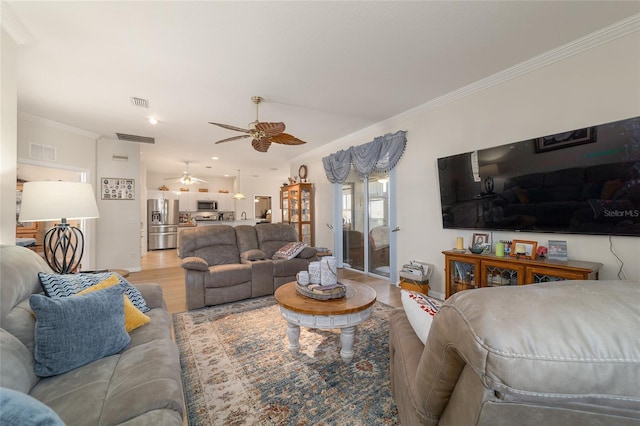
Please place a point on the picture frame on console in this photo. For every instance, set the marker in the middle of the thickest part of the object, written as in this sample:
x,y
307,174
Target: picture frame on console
x,y
566,139
483,240
524,249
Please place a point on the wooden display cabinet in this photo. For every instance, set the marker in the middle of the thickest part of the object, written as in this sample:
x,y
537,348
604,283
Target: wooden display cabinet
x,y
465,271
296,202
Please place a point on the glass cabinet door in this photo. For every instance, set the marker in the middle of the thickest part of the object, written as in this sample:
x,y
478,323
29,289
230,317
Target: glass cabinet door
x,y
499,274
285,206
545,275
462,276
295,208
305,205
306,234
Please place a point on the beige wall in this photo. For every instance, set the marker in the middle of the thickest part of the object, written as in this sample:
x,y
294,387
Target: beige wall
x,y
8,132
119,230
592,87
75,152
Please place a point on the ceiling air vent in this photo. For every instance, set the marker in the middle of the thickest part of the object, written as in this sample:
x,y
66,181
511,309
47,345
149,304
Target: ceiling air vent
x,y
120,157
135,138
42,152
140,102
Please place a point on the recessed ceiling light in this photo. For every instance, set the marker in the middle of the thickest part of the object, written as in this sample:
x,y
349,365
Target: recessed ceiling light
x,y
214,158
226,175
153,120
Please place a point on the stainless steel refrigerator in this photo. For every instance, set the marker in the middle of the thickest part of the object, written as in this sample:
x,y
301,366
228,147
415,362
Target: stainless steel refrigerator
x,y
162,224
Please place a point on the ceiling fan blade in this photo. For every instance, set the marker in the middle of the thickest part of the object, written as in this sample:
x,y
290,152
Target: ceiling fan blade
x,y
174,177
286,139
261,145
227,126
270,129
233,138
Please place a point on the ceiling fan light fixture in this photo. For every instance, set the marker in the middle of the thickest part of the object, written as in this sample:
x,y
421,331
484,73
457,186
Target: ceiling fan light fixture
x,y
263,134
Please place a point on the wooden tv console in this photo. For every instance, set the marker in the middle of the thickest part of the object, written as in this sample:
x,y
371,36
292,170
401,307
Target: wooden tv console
x,y
464,271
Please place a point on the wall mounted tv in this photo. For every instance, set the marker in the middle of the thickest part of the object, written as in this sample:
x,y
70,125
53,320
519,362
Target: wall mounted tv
x,y
583,181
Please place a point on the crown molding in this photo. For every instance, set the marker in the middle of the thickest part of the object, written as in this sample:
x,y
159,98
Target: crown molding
x,y
604,35
14,26
56,125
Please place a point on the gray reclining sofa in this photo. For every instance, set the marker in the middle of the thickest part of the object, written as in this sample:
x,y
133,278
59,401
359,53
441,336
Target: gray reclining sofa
x,y
224,264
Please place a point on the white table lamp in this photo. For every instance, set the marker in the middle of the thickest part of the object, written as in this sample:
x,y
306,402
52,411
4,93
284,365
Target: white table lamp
x,y
57,200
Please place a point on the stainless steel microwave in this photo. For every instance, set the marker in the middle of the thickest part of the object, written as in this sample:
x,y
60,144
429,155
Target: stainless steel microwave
x,y
207,205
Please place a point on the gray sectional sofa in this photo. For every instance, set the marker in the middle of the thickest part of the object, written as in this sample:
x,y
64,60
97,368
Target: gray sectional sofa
x,y
224,264
139,385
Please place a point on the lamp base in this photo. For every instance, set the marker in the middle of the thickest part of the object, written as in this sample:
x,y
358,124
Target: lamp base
x,y
63,247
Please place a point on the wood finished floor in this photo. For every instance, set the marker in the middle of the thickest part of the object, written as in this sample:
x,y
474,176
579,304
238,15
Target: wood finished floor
x,y
163,267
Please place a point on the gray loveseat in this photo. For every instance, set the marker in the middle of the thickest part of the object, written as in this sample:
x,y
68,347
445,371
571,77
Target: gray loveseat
x,y
553,354
224,264
140,385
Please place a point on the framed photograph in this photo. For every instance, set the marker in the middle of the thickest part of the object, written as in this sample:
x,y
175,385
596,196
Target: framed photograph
x,y
482,240
557,250
566,139
523,248
118,189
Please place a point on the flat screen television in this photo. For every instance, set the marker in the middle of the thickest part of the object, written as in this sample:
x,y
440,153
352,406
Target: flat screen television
x,y
583,181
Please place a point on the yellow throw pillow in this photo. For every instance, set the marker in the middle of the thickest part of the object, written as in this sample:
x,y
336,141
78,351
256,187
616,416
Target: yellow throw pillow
x,y
133,318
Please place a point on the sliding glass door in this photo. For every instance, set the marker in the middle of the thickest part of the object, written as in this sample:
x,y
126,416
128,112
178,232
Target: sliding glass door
x,y
366,224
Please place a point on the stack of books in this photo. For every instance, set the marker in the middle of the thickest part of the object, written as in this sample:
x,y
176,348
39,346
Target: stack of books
x,y
326,289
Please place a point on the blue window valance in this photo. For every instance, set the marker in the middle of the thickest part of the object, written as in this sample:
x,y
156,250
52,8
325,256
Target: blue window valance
x,y
376,157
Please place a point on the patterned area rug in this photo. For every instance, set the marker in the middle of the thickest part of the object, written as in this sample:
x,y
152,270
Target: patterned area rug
x,y
237,369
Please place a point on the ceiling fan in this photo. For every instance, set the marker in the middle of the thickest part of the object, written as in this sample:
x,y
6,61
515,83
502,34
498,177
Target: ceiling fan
x,y
263,133
186,178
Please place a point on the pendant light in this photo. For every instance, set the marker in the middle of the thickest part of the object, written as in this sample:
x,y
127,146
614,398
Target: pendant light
x,y
238,195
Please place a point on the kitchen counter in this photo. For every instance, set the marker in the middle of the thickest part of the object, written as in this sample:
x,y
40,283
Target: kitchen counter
x,y
228,222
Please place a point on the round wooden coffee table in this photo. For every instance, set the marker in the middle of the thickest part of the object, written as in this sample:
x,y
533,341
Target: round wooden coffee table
x,y
345,313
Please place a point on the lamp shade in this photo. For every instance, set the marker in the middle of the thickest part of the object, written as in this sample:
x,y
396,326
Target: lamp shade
x,y
238,195
54,200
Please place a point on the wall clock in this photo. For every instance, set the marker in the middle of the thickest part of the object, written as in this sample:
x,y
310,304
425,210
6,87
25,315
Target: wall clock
x,y
302,172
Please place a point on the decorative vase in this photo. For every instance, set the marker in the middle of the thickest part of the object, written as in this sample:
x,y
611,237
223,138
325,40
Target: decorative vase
x,y
328,271
314,272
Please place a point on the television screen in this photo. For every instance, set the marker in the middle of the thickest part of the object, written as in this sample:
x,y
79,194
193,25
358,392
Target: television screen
x,y
583,181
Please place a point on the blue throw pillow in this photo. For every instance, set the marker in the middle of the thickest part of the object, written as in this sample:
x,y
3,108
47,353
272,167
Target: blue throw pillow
x,y
17,408
56,285
73,331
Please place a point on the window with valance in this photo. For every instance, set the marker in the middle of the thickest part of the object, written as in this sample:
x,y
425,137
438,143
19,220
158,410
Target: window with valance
x,y
376,157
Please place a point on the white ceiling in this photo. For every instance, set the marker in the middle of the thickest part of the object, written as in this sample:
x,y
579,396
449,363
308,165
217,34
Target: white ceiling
x,y
326,69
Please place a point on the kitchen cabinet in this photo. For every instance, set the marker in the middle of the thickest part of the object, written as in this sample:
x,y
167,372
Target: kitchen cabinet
x,y
156,194
225,202
465,271
296,202
188,201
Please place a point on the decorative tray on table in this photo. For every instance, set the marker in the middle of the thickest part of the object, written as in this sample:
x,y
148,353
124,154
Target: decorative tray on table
x,y
322,292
